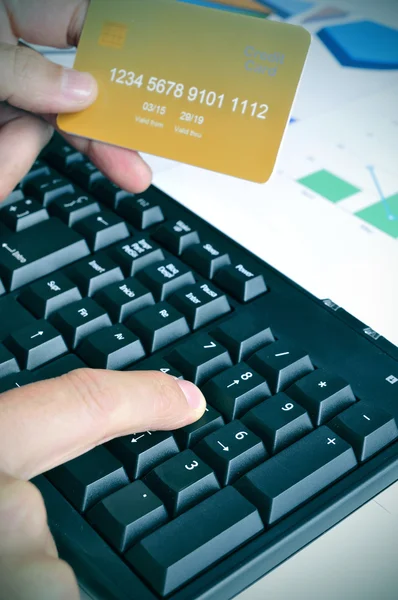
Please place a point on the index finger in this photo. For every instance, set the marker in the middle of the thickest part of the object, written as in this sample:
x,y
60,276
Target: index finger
x,y
55,23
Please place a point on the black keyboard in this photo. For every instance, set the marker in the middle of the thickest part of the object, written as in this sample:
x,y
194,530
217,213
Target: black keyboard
x,y
301,424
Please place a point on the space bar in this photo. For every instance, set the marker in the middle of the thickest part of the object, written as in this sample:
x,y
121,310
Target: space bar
x,y
38,251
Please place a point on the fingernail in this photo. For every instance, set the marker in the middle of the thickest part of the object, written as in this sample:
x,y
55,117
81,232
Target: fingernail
x,y
78,87
193,394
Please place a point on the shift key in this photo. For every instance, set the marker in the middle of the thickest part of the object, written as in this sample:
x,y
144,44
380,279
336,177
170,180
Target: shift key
x,y
37,251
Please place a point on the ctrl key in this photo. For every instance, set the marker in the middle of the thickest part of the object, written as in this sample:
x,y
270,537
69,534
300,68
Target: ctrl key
x,y
171,556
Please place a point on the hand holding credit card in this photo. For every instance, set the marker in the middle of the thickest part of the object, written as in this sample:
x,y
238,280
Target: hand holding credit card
x,y
205,87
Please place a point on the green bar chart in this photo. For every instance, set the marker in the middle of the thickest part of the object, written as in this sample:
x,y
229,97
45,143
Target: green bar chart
x,y
329,186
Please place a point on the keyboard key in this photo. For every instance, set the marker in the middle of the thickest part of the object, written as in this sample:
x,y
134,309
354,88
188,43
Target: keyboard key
x,y
236,390
71,208
2,288
200,358
231,451
124,298
61,155
158,326
190,435
38,251
322,394
206,258
61,366
201,304
8,362
165,278
102,230
128,515
39,169
79,320
157,363
243,284
49,295
85,174
176,236
16,380
141,452
111,348
109,193
279,422
140,212
282,364
243,334
180,550
366,428
36,344
135,255
94,273
285,481
17,317
182,481
23,214
46,189
86,480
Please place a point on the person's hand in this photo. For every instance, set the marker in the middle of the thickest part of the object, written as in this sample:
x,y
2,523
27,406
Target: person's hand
x,y
33,91
46,424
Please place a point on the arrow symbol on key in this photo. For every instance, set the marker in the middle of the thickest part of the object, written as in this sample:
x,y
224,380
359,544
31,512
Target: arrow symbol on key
x,y
134,440
235,382
101,220
225,448
37,334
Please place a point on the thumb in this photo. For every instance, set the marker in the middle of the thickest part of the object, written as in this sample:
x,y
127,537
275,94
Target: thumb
x,y
30,82
45,424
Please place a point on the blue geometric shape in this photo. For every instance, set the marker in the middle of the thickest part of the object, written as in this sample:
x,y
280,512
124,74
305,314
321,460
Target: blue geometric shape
x,y
364,44
288,8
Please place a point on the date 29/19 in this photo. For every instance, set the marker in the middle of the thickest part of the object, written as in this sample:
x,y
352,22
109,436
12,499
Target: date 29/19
x,y
193,94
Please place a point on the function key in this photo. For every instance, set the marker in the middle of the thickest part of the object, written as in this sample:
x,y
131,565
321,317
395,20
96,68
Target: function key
x,y
199,358
72,208
231,451
206,258
367,428
141,452
23,214
128,515
158,326
324,395
240,282
182,481
109,193
61,155
234,391
243,334
8,362
166,277
46,189
102,230
85,174
281,364
142,212
45,297
86,480
36,344
80,319
94,273
200,303
111,348
134,255
176,236
123,298
279,422
190,435
157,363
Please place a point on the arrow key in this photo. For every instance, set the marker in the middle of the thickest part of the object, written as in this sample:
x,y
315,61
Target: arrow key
x,y
102,230
231,451
36,344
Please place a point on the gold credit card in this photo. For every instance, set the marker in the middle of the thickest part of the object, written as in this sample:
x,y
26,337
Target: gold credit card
x,y
204,87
